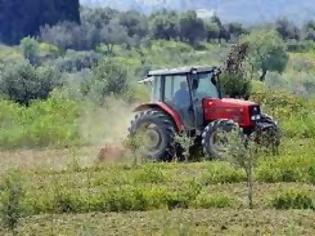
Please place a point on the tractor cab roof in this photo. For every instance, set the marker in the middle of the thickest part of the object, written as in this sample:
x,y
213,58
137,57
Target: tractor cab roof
x,y
182,70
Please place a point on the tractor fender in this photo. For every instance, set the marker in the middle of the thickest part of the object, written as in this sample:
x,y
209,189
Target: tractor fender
x,y
165,108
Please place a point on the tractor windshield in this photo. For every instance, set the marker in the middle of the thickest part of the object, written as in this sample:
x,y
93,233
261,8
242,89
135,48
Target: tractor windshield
x,y
206,86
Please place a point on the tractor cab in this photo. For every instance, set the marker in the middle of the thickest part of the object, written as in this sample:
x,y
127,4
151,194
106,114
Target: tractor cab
x,y
183,90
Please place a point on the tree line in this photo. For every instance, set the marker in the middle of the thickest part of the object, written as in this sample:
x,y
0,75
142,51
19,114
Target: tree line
x,y
69,27
132,28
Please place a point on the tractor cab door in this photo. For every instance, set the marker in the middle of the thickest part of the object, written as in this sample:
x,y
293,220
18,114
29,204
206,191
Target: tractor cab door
x,y
178,97
203,86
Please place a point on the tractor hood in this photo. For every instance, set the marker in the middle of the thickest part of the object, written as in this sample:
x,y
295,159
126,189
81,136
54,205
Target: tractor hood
x,y
242,112
238,102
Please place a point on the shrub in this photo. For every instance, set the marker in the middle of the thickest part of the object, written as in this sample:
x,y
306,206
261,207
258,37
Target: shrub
x,y
74,61
280,104
151,174
184,195
222,173
293,113
43,123
311,173
66,201
132,198
292,199
274,81
300,125
30,49
286,169
21,82
109,77
11,196
67,35
206,201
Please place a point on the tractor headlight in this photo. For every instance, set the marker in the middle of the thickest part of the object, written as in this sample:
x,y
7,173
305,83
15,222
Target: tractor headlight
x,y
256,117
254,112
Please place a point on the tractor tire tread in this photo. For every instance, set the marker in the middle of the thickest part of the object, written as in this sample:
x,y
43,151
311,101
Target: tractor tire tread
x,y
167,126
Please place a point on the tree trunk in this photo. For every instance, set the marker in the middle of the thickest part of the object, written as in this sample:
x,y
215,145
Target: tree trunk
x,y
250,188
263,75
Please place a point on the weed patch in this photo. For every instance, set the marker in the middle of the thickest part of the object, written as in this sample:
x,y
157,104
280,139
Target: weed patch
x,y
220,173
292,199
206,201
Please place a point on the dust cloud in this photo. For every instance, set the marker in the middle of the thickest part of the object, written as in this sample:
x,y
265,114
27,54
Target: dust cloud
x,y
108,124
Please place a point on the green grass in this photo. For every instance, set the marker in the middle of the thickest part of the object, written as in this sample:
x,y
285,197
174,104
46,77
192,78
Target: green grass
x,y
80,188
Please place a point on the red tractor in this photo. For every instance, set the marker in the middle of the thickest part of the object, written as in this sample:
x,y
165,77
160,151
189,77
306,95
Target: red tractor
x,y
189,100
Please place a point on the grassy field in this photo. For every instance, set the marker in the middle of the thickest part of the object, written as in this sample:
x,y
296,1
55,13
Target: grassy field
x,y
67,192
49,191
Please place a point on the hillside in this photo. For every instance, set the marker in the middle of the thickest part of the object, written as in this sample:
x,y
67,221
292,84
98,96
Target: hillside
x,y
247,12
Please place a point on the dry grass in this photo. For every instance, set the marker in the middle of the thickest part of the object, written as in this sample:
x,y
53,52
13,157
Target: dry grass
x,y
49,159
176,222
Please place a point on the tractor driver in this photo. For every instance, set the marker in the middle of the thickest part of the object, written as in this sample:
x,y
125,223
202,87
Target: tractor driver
x,y
182,97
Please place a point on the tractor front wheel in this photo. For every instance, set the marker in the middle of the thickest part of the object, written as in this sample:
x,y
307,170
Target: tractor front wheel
x,y
214,139
267,134
156,131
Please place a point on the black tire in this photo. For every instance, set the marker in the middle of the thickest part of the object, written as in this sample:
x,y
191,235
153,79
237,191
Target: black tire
x,y
269,138
211,138
155,124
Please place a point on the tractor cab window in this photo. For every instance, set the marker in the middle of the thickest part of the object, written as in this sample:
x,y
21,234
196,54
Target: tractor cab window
x,y
206,86
156,89
177,96
177,91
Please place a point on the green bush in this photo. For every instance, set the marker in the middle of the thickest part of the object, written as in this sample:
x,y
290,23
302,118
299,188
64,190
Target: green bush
x,y
184,195
117,198
292,199
294,114
21,82
43,123
11,199
30,49
74,61
280,104
275,82
151,174
109,78
300,125
286,169
235,85
222,173
206,201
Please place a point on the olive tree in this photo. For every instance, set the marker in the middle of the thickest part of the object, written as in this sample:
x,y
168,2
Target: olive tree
x,y
267,52
245,154
109,78
21,82
30,49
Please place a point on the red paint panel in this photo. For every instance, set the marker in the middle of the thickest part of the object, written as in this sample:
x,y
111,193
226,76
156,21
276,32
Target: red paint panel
x,y
232,109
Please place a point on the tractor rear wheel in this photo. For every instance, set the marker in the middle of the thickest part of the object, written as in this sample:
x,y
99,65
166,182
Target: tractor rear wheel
x,y
214,139
156,131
